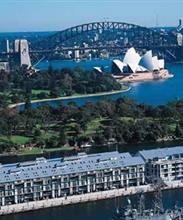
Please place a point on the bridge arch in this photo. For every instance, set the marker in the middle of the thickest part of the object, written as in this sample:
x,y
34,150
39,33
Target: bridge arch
x,y
143,35
106,25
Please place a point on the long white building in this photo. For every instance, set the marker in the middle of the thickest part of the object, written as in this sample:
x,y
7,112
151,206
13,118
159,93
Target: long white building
x,y
43,179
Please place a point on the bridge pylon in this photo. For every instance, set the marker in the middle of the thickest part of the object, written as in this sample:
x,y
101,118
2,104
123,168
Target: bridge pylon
x,y
22,49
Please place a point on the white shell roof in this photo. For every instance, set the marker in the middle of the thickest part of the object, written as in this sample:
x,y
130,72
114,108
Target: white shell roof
x,y
132,58
119,65
141,64
97,69
141,69
161,63
146,61
155,63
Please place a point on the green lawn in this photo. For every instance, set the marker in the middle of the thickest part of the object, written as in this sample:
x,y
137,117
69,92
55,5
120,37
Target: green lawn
x,y
38,91
65,148
93,126
30,151
34,151
172,126
48,134
17,139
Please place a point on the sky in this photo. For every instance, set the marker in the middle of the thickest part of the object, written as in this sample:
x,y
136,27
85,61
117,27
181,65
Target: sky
x,y
55,15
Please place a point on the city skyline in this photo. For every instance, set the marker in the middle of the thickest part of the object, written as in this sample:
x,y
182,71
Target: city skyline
x,y
55,15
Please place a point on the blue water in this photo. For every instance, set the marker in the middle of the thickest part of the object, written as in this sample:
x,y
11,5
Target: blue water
x,y
79,101
101,210
149,92
162,91
27,35
84,64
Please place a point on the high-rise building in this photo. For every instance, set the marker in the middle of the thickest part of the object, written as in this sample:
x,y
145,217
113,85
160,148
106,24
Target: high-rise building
x,y
4,66
76,53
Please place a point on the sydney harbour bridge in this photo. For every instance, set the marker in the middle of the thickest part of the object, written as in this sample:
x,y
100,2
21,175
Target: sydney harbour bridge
x,y
110,36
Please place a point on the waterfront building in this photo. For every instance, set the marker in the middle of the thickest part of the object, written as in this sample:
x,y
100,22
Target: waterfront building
x,y
165,163
179,39
76,53
134,63
61,177
4,66
136,68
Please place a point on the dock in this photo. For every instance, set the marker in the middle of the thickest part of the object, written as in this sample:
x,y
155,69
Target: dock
x,y
88,197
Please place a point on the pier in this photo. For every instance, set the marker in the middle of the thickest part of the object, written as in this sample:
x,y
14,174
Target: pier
x,y
89,197
83,178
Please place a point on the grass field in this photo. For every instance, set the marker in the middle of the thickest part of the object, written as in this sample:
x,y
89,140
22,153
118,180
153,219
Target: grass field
x,y
35,151
17,139
38,91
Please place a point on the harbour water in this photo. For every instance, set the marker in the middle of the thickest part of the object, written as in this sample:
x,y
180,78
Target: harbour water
x,y
151,92
100,210
154,92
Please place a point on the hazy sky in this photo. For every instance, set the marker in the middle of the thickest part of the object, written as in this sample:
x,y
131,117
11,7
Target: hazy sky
x,y
49,15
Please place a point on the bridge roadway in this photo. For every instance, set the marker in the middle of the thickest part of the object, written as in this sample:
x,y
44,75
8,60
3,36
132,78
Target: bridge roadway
x,y
164,47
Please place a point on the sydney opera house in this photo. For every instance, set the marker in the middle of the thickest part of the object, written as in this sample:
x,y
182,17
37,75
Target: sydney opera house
x,y
137,68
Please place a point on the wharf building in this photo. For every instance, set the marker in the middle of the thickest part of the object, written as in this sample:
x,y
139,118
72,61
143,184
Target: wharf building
x,y
165,163
4,66
44,179
61,177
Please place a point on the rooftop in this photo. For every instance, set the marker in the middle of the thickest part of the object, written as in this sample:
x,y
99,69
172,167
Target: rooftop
x,y
162,153
42,167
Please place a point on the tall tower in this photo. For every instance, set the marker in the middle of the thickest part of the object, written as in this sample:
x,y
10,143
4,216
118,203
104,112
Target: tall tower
x,y
17,46
180,27
76,53
7,46
22,48
24,53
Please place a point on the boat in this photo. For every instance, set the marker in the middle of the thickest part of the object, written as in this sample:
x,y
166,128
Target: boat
x,y
156,212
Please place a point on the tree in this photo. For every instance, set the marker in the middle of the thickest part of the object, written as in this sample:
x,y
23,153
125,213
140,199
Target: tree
x,y
62,137
178,131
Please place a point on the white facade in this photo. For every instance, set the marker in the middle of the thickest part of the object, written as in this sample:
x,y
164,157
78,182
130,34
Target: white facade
x,y
165,163
155,62
161,64
4,66
60,177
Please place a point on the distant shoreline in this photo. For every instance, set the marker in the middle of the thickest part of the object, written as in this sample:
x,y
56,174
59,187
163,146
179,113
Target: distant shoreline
x,y
73,97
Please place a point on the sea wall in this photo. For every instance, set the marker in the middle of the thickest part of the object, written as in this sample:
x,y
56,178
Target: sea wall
x,y
146,76
36,205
